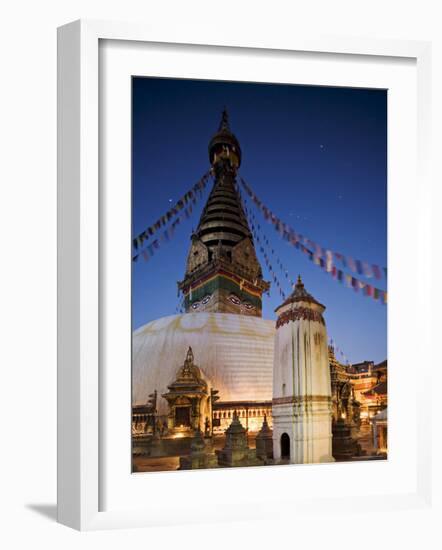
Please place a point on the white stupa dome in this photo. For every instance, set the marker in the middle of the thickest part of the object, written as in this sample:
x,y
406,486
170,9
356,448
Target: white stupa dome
x,y
234,352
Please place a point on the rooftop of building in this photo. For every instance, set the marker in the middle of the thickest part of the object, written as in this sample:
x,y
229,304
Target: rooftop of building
x,y
299,294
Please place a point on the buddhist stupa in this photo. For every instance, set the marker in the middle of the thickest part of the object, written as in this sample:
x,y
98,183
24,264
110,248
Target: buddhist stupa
x,y
222,287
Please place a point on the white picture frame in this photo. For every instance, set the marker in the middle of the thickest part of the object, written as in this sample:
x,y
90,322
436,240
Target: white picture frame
x,y
79,267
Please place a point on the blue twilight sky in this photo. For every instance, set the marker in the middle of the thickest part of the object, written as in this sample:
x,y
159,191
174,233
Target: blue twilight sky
x,y
316,156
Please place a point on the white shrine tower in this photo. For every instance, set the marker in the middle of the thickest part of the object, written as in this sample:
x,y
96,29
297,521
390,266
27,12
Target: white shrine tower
x,y
301,406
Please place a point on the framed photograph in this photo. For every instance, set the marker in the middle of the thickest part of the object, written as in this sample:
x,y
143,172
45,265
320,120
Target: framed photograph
x,y
234,222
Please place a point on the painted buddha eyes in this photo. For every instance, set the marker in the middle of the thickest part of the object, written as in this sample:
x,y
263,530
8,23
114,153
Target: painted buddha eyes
x,y
237,301
204,301
233,298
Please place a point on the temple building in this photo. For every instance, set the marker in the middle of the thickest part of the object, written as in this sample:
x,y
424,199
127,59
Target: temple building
x,y
359,397
379,429
369,382
344,403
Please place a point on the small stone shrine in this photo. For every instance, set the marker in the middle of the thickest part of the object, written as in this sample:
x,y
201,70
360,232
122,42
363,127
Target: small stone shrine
x,y
199,456
264,442
236,451
188,399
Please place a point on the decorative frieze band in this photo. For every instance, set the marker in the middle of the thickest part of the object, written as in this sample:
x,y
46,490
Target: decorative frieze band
x,y
300,313
301,399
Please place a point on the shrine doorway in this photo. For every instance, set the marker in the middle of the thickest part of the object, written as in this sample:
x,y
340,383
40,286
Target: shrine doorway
x,y
285,446
182,417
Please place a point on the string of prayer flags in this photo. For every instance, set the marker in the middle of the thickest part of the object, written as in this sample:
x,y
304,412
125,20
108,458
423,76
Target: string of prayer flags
x,y
358,285
165,237
191,195
261,237
356,266
324,263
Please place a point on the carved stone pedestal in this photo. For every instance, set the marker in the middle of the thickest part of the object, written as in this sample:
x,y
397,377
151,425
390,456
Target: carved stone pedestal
x,y
344,447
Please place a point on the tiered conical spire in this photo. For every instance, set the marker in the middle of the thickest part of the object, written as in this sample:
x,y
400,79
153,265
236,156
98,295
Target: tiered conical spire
x,y
223,218
223,273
